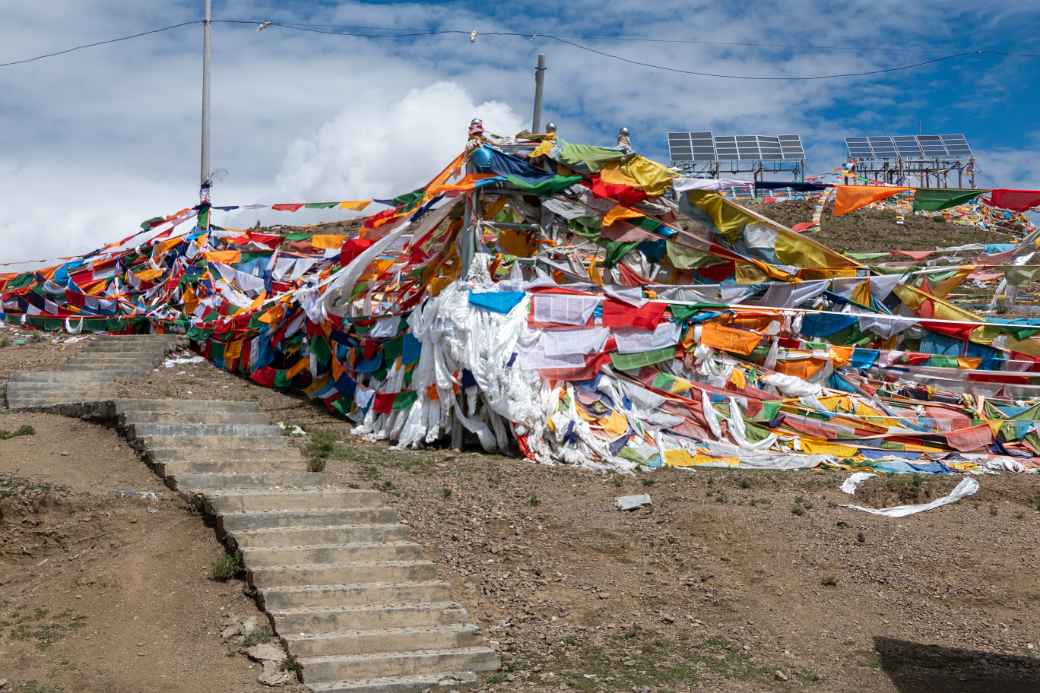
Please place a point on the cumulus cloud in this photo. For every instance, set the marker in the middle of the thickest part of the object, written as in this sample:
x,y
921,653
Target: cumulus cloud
x,y
95,142
378,149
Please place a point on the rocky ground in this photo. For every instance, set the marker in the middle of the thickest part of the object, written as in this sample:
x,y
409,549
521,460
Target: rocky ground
x,y
105,574
868,230
729,581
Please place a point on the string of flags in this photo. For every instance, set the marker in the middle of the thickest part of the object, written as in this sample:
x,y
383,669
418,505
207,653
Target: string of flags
x,y
582,305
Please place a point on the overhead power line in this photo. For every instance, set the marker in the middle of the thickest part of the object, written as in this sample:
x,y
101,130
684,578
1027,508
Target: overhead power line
x,y
96,44
394,33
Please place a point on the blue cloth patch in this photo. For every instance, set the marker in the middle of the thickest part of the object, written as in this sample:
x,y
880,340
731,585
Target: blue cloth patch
x,y
864,358
372,365
497,301
824,325
410,349
934,343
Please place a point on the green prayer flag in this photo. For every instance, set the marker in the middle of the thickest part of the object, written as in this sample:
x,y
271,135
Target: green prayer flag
x,y
934,199
320,349
547,186
685,257
320,205
589,227
585,157
631,362
617,250
409,200
405,399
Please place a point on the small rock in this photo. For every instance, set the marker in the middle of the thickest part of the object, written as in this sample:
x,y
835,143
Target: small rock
x,y
230,632
273,674
266,652
248,626
63,453
667,618
780,676
3,684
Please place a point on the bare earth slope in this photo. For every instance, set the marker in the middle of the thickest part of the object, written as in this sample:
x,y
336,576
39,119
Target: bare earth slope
x,y
731,581
104,573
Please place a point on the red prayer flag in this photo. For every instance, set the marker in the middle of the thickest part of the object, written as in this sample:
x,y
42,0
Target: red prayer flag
x,y
619,314
383,402
1015,200
625,195
352,248
287,206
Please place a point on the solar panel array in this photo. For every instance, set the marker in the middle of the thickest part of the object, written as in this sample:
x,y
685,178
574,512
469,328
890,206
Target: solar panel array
x,y
702,146
940,147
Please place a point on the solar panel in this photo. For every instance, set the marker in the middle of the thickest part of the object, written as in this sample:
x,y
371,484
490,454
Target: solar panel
x,y
680,146
791,147
940,147
702,146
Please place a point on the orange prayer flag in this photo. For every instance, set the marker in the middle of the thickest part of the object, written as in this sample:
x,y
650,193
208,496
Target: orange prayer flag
x,y
224,257
725,338
328,241
467,183
618,212
849,198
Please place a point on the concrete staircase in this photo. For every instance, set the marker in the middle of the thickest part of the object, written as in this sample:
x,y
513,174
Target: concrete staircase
x,y
358,605
90,375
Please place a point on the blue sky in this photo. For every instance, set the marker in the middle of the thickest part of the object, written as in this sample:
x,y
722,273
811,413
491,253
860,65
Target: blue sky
x,y
94,142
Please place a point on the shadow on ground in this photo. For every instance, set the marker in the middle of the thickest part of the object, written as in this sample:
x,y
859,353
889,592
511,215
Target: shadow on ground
x,y
917,668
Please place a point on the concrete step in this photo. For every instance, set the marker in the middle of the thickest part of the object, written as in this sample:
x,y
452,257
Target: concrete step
x,y
175,468
206,430
364,594
423,683
155,357
289,499
345,573
19,402
196,417
133,343
236,482
206,442
355,642
314,621
307,518
356,533
355,667
258,454
124,406
58,387
49,378
332,553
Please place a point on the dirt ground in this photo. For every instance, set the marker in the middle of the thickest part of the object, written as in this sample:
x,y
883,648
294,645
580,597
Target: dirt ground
x,y
23,350
102,587
868,230
730,581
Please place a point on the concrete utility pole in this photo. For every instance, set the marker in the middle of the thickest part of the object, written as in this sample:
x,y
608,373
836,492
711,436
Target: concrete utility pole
x,y
204,172
539,80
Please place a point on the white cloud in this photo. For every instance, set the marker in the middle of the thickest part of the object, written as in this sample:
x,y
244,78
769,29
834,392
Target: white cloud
x,y
94,142
377,149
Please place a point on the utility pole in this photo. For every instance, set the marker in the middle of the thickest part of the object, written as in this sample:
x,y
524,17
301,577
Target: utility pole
x,y
204,173
539,80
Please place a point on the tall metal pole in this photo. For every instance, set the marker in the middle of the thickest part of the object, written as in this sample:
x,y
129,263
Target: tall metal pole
x,y
204,172
539,80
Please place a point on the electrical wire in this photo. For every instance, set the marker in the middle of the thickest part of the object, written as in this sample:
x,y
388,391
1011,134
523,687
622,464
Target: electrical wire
x,y
96,44
394,34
